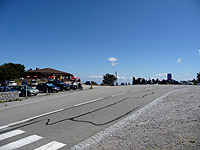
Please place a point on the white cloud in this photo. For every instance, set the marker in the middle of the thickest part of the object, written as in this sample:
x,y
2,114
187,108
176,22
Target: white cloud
x,y
161,75
113,63
112,59
187,74
179,60
96,77
122,77
199,51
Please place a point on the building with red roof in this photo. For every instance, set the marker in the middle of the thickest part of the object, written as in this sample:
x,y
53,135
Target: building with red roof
x,y
48,73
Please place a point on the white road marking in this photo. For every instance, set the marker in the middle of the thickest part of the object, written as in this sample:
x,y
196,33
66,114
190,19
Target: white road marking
x,y
135,91
50,98
88,102
21,142
118,94
51,146
28,119
3,127
10,134
25,120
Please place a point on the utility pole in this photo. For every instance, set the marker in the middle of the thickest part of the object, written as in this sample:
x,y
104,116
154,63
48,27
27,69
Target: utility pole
x,y
116,77
26,92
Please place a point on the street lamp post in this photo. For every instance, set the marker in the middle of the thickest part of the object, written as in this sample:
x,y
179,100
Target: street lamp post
x,y
116,77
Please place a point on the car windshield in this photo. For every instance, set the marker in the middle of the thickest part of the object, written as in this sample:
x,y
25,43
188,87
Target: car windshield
x,y
1,89
5,88
62,83
28,87
33,81
50,84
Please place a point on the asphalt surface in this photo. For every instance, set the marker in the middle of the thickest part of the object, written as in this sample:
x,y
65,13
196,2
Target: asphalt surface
x,y
170,122
71,117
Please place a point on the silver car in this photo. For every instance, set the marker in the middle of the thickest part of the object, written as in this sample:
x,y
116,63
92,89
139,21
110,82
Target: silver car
x,y
33,83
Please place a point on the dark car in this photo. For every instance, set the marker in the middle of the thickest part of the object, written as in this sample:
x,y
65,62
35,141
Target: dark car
x,y
30,90
122,83
87,83
5,83
47,87
8,89
62,85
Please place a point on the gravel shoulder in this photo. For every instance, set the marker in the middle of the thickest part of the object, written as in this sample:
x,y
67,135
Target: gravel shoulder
x,y
174,123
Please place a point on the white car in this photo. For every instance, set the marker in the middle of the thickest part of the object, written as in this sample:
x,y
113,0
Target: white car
x,y
33,83
12,83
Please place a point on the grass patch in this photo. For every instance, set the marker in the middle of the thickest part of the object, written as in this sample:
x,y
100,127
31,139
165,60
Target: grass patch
x,y
11,100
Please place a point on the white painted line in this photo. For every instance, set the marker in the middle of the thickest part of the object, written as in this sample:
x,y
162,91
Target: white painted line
x,y
135,91
10,134
21,142
22,121
88,102
3,127
118,94
28,119
49,98
51,146
118,126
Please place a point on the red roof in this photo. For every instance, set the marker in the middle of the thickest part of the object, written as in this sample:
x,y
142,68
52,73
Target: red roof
x,y
49,71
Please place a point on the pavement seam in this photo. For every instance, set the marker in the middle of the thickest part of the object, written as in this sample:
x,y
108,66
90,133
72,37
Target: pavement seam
x,y
93,140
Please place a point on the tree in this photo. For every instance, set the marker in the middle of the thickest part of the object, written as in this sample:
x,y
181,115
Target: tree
x,y
10,71
109,79
133,82
153,81
198,77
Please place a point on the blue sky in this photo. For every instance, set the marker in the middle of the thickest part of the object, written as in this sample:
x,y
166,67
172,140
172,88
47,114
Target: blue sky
x,y
89,38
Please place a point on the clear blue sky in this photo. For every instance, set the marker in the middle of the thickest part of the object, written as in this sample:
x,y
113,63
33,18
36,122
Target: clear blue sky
x,y
146,38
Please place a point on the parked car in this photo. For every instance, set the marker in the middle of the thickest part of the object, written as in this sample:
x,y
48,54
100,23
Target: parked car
x,y
87,83
30,90
24,82
112,84
50,79
47,87
4,83
62,85
185,83
8,89
12,83
33,83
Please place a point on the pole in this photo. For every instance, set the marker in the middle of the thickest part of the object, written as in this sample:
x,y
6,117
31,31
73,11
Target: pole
x,y
26,91
91,85
116,77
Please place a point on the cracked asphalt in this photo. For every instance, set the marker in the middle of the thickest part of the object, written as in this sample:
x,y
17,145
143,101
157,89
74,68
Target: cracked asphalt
x,y
174,124
71,118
